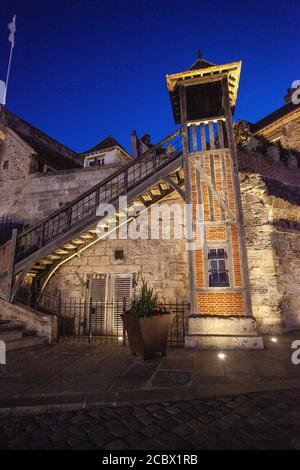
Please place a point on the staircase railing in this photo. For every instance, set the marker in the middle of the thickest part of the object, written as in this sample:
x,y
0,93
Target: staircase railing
x,y
106,191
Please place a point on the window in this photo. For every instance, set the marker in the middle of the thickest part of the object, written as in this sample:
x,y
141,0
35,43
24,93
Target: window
x,y
100,161
92,162
107,294
5,165
218,272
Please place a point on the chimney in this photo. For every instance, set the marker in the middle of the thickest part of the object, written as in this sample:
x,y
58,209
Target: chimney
x,y
146,139
134,144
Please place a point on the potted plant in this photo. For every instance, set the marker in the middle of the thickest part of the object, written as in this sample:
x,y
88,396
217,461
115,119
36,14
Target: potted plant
x,y
147,324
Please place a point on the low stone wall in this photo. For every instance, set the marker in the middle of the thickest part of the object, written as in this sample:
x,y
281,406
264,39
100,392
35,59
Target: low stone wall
x,y
28,319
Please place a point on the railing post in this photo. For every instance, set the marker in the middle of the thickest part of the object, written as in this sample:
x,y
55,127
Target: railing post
x,y
124,331
97,197
42,236
91,311
154,160
126,181
11,263
69,217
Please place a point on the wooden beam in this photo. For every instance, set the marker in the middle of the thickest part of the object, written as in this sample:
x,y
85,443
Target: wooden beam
x,y
188,197
214,191
238,199
176,186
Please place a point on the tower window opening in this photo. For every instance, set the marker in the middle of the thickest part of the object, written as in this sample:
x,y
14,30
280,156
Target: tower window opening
x,y
218,271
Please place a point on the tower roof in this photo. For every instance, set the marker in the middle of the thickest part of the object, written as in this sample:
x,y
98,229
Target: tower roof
x,y
203,71
200,63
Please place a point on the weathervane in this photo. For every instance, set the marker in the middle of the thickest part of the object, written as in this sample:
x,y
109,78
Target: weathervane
x,y
11,39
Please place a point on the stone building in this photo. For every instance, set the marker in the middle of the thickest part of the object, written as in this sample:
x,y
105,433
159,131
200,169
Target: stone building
x,y
244,278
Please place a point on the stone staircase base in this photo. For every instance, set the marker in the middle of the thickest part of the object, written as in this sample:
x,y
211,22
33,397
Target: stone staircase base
x,y
15,337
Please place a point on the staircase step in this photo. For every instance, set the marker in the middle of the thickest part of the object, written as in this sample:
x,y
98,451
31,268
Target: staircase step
x,y
12,335
26,342
29,333
9,326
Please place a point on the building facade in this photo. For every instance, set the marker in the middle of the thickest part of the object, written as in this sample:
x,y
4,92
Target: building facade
x,y
238,190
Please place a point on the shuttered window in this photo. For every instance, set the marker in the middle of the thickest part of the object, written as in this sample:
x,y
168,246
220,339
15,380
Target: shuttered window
x,y
98,289
121,289
107,294
98,294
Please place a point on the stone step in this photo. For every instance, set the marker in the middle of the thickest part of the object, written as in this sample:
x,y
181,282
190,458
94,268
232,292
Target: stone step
x,y
29,333
11,335
26,342
9,327
224,342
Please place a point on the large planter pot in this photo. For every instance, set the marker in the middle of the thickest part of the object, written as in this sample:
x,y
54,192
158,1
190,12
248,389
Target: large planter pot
x,y
148,336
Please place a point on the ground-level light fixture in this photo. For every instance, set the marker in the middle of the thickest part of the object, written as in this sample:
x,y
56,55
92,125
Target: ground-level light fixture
x,y
274,340
222,356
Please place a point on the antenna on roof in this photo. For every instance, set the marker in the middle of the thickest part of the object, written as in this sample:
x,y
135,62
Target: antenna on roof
x,y
11,39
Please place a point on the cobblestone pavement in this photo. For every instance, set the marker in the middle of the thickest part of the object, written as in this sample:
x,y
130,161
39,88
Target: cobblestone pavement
x,y
268,420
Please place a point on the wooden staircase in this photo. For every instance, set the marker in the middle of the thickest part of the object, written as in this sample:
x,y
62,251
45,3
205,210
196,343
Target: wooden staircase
x,y
68,231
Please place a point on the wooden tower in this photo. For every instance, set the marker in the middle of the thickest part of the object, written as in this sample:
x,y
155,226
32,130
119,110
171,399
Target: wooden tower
x,y
203,99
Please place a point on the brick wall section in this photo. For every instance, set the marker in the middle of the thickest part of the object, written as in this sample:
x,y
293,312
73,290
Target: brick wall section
x,y
216,233
218,303
219,187
214,303
236,256
199,268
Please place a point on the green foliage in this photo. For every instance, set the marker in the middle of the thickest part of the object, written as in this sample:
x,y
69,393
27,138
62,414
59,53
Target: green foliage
x,y
146,304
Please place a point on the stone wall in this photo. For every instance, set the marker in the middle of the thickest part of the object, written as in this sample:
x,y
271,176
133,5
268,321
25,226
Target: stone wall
x,y
36,196
292,135
16,158
272,227
27,318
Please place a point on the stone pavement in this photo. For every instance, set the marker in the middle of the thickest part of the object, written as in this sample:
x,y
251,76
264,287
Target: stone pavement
x,y
267,420
73,372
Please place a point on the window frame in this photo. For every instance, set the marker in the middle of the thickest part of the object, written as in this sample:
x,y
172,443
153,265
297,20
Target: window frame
x,y
219,271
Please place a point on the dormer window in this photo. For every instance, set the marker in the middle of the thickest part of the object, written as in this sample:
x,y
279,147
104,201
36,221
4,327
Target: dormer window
x,y
95,160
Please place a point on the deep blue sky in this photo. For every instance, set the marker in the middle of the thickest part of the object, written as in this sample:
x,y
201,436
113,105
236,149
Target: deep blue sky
x,y
83,69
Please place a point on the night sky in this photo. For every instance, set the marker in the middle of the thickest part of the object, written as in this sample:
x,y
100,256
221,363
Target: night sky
x,y
83,69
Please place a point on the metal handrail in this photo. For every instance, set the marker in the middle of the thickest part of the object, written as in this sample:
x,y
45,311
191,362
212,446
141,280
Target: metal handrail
x,y
64,219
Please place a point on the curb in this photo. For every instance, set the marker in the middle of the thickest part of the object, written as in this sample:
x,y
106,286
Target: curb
x,y
22,406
